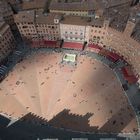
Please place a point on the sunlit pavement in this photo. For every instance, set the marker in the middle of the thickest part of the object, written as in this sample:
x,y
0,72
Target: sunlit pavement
x,y
106,62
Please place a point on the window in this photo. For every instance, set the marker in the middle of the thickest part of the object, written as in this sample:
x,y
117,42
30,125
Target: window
x,y
24,27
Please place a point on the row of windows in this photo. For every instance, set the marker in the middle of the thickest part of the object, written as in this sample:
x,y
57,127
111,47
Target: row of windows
x,y
30,23
48,35
48,38
47,26
6,38
25,26
96,26
4,52
73,33
96,31
28,31
7,45
72,38
40,32
78,14
97,37
49,32
72,28
32,29
55,27
38,25
95,42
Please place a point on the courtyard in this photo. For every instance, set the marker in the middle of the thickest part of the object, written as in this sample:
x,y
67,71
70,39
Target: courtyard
x,y
86,97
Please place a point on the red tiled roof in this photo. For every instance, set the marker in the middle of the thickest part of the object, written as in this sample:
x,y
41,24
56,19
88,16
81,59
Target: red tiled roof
x,y
132,79
127,71
35,43
47,43
73,45
113,56
104,52
124,72
94,46
128,74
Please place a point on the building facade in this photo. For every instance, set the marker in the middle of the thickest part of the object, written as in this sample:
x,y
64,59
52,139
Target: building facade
x,y
79,29
124,45
37,27
97,31
6,12
7,41
73,29
47,26
25,21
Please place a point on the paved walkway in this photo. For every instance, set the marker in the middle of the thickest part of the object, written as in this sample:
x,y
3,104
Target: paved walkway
x,y
132,93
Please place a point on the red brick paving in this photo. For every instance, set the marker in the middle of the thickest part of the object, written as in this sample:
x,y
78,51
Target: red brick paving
x,y
44,86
